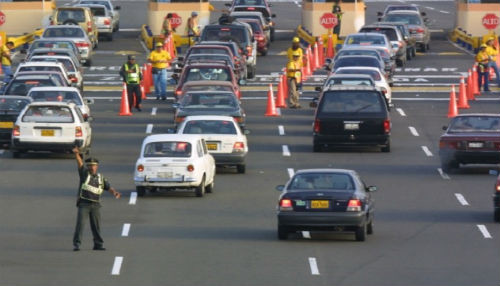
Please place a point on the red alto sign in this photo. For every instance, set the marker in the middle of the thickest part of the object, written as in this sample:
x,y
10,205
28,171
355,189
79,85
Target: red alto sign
x,y
176,20
2,18
328,20
490,21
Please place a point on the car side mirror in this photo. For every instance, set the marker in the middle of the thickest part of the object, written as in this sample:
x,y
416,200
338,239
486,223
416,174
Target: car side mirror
x,y
89,100
445,127
318,88
280,188
227,4
246,132
175,105
371,189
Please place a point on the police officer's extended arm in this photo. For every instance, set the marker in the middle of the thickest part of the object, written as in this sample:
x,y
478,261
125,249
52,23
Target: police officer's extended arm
x,y
78,157
114,192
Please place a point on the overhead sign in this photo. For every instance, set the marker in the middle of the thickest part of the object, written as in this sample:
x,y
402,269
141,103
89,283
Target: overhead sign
x,y
491,21
176,20
2,18
328,20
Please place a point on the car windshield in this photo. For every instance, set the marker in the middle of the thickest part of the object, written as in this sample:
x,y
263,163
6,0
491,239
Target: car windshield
x,y
475,124
98,11
63,33
12,104
200,100
365,40
56,95
390,33
250,2
374,74
168,149
351,102
39,68
105,3
405,18
406,8
48,114
356,62
209,127
21,87
208,73
357,53
322,181
349,81
77,15
229,33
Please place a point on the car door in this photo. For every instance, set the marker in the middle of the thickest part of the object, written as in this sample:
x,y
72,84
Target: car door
x,y
209,162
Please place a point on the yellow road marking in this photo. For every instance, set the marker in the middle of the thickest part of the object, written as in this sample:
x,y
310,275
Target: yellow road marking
x,y
126,53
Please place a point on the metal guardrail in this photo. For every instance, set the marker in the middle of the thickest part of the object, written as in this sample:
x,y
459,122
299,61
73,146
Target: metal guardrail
x,y
467,41
22,42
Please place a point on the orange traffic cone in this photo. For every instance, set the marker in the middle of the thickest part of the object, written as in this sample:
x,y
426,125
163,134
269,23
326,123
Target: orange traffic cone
x,y
146,78
470,89
462,95
330,52
452,108
280,100
491,74
307,66
316,56
321,50
285,85
124,106
271,108
143,93
475,78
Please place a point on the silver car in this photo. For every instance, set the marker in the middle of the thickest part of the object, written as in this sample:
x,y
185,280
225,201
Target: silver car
x,y
103,19
114,10
416,24
369,40
74,33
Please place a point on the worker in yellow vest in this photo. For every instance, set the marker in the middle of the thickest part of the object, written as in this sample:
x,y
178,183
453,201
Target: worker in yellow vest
x,y
295,48
492,52
482,60
294,76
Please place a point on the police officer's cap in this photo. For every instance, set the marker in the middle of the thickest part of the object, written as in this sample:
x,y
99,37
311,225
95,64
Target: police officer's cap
x,y
131,57
295,40
91,161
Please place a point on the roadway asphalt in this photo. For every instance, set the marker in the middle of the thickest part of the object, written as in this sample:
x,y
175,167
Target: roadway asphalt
x,y
431,228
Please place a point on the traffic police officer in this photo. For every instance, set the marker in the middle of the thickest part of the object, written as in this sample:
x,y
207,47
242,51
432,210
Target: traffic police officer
x,y
337,11
294,75
91,186
132,76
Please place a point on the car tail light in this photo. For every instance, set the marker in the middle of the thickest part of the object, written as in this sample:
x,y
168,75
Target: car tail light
x,y
249,50
238,119
238,147
89,26
354,206
448,144
497,145
82,44
179,119
387,126
190,168
140,168
16,131
251,8
78,131
497,186
420,30
73,79
317,126
107,21
286,205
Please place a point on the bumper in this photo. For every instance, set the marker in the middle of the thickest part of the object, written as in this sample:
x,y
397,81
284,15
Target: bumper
x,y
470,157
229,158
105,29
351,140
44,146
311,220
5,137
85,54
180,182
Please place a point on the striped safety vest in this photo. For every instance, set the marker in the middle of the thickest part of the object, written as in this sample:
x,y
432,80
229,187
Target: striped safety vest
x,y
133,77
89,191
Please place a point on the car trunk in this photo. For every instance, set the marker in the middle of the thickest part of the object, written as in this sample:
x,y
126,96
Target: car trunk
x,y
166,168
320,201
351,124
48,132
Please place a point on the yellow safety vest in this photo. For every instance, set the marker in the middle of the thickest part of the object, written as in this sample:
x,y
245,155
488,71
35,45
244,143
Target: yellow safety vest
x,y
292,65
492,52
92,192
133,77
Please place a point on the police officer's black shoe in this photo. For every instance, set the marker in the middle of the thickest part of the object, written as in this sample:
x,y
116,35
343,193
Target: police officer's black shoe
x,y
76,248
98,248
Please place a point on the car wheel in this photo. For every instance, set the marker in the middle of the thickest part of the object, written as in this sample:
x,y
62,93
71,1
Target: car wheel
x,y
200,190
369,229
282,233
496,216
141,191
241,168
210,188
424,48
428,46
117,27
386,148
110,37
361,233
316,148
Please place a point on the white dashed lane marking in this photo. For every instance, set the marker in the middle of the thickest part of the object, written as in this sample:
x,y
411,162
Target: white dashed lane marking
x,y
401,112
291,172
126,229
461,199
149,128
427,152
313,265
413,131
443,174
133,198
117,265
153,111
306,234
281,130
484,231
286,151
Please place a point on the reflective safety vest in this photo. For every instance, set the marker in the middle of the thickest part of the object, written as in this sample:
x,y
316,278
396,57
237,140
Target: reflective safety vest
x,y
133,77
89,191
294,65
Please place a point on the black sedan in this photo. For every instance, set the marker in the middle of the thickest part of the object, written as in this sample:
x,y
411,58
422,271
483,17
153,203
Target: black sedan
x,y
470,139
10,107
326,200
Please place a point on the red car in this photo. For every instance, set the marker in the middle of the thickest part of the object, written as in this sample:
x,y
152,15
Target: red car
x,y
259,35
470,139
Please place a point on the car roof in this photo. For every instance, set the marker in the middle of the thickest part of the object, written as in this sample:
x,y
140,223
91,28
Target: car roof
x,y
350,75
351,88
325,170
55,88
404,12
15,97
191,138
209,92
209,117
23,76
215,63
90,5
40,63
256,13
357,68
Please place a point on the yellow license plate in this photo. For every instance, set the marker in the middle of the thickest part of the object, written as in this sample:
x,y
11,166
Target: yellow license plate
x,y
7,125
320,204
47,132
212,146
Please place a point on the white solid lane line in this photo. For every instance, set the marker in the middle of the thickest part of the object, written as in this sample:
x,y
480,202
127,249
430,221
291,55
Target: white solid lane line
x,y
306,234
133,198
117,265
401,111
153,111
149,128
484,230
126,229
413,131
314,266
461,199
286,151
291,172
443,174
427,151
281,130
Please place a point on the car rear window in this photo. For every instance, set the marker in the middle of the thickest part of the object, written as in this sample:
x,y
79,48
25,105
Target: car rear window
x,y
12,104
208,73
357,53
356,62
39,68
255,26
374,74
351,102
408,19
212,51
343,81
51,44
21,87
48,114
475,124
77,15
365,40
209,127
390,33
322,181
63,33
176,149
98,11
226,33
208,87
53,95
201,101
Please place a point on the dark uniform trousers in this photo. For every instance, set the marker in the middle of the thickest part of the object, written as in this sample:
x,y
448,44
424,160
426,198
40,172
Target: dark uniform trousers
x,y
134,90
92,210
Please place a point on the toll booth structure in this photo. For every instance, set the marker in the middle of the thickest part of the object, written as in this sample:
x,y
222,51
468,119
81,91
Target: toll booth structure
x,y
478,18
22,17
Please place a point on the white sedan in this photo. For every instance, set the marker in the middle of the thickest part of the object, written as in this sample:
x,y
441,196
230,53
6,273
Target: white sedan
x,y
61,94
376,74
173,161
225,140
51,126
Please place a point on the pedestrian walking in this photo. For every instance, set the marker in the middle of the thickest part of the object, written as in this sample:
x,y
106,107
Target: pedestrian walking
x,y
294,75
482,60
167,25
132,76
159,59
6,60
91,186
492,52
337,11
192,29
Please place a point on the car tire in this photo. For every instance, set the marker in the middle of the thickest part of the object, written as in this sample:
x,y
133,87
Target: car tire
x,y
496,216
200,190
282,233
88,63
428,46
448,166
110,37
369,228
210,188
423,49
241,168
360,233
117,27
141,191
386,148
